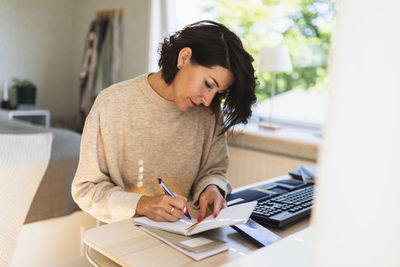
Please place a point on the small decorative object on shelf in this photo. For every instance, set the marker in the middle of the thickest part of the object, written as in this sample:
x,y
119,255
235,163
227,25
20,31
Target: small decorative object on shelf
x,y
26,93
269,126
5,101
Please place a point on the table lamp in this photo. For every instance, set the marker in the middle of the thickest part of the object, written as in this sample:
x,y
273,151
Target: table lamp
x,y
274,59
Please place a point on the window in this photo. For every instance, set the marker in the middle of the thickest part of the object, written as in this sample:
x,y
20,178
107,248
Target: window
x,y
304,25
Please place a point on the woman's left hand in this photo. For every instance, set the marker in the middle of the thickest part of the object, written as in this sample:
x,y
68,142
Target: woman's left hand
x,y
211,197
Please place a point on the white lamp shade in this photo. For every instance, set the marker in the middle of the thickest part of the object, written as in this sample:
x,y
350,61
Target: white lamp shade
x,y
275,59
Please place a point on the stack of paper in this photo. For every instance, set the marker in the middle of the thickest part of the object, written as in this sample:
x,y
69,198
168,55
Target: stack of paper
x,y
197,247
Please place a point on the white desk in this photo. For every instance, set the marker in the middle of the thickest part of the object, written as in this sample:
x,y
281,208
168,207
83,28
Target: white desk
x,y
127,245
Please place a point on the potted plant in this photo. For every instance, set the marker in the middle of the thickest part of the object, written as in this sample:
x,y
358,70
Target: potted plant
x,y
26,93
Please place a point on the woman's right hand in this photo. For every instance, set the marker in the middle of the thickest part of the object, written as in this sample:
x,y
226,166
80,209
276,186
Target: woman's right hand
x,y
162,207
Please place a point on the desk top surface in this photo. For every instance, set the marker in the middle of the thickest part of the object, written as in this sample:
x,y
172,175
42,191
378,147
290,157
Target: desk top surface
x,y
126,244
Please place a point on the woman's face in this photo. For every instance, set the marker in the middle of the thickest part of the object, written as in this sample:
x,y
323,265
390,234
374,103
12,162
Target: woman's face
x,y
195,84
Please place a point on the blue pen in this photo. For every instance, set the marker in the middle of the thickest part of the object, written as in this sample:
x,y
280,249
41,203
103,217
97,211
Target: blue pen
x,y
169,192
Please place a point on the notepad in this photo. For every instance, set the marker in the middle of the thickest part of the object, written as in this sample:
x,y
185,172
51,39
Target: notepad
x,y
237,214
197,246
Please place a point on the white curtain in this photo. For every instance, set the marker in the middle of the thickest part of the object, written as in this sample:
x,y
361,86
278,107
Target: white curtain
x,y
162,23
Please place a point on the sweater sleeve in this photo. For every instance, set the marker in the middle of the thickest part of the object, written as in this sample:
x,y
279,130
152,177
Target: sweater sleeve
x,y
214,165
92,188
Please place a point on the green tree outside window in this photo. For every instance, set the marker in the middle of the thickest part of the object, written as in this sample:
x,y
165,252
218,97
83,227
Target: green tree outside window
x,y
304,25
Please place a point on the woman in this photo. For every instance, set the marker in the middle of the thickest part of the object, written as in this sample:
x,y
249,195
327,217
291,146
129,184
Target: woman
x,y
167,124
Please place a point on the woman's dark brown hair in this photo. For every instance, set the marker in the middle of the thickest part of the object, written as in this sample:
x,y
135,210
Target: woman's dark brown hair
x,y
213,44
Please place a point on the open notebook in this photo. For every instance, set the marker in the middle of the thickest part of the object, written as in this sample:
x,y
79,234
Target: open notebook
x,y
237,214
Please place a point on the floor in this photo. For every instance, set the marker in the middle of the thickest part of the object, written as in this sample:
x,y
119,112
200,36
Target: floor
x,y
78,262
60,242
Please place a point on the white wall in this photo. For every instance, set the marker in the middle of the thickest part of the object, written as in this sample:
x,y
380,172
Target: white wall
x,y
43,40
35,44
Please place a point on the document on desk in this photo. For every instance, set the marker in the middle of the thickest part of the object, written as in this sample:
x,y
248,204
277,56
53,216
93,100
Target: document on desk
x,y
237,214
308,173
197,246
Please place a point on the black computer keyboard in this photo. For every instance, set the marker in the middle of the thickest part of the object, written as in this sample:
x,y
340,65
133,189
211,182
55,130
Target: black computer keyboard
x,y
284,209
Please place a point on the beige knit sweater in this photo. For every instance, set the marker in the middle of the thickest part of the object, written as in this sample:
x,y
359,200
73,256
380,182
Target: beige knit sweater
x,y
131,137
